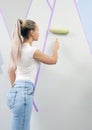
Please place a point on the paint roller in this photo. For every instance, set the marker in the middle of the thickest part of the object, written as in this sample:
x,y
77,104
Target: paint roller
x,y
59,31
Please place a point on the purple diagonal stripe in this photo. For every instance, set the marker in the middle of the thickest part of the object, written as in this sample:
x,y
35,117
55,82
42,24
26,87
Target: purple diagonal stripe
x,y
49,4
46,36
36,109
28,8
49,26
34,104
5,22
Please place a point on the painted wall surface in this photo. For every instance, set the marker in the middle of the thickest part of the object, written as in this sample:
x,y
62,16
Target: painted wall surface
x,y
85,9
63,92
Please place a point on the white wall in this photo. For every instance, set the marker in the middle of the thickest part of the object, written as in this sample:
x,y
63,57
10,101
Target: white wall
x,y
64,91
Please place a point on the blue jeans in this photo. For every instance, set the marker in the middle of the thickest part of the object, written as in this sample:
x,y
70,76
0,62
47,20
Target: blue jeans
x,y
19,101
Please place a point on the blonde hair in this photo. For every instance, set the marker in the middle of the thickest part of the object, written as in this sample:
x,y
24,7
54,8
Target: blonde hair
x,y
21,30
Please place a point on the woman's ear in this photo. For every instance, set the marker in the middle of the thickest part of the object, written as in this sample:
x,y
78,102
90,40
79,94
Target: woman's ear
x,y
31,32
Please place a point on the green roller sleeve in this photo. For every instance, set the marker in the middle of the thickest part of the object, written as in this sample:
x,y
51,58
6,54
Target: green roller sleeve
x,y
59,31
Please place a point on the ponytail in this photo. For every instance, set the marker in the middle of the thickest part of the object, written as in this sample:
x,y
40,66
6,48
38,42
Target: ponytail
x,y
16,42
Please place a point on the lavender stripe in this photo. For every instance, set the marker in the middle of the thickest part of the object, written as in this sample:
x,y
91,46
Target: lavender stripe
x,y
46,36
28,8
48,26
82,25
36,79
36,109
5,22
49,4
37,75
35,106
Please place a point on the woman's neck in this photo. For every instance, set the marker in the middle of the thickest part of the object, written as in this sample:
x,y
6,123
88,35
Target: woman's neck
x,y
29,41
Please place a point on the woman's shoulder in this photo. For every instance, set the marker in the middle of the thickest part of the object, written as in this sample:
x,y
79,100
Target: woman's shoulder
x,y
26,45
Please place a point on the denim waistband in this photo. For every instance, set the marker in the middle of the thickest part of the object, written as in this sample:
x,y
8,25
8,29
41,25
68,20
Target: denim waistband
x,y
21,82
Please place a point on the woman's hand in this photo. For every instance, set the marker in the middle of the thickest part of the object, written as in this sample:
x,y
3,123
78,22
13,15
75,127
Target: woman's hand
x,y
56,44
12,75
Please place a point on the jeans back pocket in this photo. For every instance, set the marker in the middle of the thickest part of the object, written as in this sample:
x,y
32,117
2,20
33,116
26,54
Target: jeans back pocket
x,y
11,98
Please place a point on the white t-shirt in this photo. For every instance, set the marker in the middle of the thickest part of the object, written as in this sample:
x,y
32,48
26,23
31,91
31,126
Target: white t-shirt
x,y
27,66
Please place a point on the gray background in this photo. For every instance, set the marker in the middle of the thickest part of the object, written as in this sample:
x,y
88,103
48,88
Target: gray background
x,y
64,91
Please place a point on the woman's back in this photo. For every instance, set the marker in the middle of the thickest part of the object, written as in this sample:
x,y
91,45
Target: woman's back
x,y
27,66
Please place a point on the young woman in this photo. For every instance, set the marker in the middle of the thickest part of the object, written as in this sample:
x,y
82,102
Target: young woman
x,y
24,62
